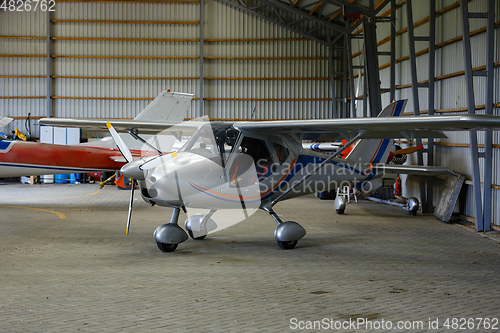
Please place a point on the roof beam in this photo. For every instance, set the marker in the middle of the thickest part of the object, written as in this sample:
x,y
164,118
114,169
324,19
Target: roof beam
x,y
303,16
290,9
361,9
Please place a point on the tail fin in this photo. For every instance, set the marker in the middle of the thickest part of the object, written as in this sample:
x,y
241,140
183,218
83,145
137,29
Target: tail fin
x,y
168,106
375,150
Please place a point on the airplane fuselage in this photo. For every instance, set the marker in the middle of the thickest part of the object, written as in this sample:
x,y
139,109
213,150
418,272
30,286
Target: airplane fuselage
x,y
200,178
20,158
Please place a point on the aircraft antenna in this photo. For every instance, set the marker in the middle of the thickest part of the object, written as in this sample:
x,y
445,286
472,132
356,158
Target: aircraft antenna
x,y
253,112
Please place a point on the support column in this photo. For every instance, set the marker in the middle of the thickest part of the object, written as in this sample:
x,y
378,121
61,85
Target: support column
x,y
201,112
365,92
344,78
431,95
49,67
371,63
352,94
331,68
476,181
488,147
393,52
416,103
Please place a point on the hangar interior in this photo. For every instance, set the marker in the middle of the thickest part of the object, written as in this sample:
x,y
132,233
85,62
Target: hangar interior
x,y
287,59
67,264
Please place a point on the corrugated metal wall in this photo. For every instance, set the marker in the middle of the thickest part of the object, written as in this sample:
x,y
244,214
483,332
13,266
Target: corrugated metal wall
x,y
294,87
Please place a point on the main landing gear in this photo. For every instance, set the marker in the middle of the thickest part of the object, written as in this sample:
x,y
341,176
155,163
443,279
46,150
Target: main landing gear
x,y
287,234
412,206
168,236
340,205
199,225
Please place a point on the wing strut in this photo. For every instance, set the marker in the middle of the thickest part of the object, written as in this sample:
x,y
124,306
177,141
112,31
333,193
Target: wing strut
x,y
322,164
137,137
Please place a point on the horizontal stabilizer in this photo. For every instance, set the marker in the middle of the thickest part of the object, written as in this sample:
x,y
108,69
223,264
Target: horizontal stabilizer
x,y
415,170
100,124
4,121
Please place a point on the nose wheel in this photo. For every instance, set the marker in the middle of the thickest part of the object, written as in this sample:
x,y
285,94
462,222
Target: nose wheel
x,y
287,245
169,235
191,234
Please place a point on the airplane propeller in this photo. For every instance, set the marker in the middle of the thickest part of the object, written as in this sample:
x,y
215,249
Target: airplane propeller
x,y
135,169
119,142
401,155
410,150
128,156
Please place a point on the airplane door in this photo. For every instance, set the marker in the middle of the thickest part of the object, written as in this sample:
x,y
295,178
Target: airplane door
x,y
271,157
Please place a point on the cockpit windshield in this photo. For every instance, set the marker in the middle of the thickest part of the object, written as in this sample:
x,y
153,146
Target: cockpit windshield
x,y
213,140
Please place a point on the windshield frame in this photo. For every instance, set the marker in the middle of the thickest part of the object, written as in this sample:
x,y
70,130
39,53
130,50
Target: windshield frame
x,y
219,135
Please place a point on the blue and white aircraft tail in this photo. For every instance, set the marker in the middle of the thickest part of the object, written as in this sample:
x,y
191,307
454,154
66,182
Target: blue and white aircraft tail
x,y
380,147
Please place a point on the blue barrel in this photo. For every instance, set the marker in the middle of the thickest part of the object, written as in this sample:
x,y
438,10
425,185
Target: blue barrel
x,y
61,179
75,177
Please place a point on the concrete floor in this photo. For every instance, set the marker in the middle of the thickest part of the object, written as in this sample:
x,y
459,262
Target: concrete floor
x,y
82,273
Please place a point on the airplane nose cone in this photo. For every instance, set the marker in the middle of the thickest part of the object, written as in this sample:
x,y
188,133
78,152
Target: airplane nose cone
x,y
133,170
171,180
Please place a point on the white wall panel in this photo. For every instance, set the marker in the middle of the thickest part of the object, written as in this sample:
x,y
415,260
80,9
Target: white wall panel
x,y
221,22
22,24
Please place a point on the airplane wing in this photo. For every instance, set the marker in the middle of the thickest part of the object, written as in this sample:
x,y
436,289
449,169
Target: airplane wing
x,y
374,128
415,170
322,129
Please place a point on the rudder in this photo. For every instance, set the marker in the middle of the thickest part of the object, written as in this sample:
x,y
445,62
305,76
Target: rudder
x,y
361,151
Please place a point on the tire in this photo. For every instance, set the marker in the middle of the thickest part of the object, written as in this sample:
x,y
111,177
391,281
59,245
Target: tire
x,y
166,247
190,232
287,245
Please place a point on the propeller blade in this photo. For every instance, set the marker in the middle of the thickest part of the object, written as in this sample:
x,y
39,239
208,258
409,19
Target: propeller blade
x,y
158,161
130,206
119,142
408,150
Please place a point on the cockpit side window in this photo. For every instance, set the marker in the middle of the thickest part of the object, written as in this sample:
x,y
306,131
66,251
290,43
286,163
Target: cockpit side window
x,y
257,149
281,151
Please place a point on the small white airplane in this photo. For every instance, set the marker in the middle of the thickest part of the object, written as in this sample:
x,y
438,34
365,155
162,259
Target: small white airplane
x,y
250,165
